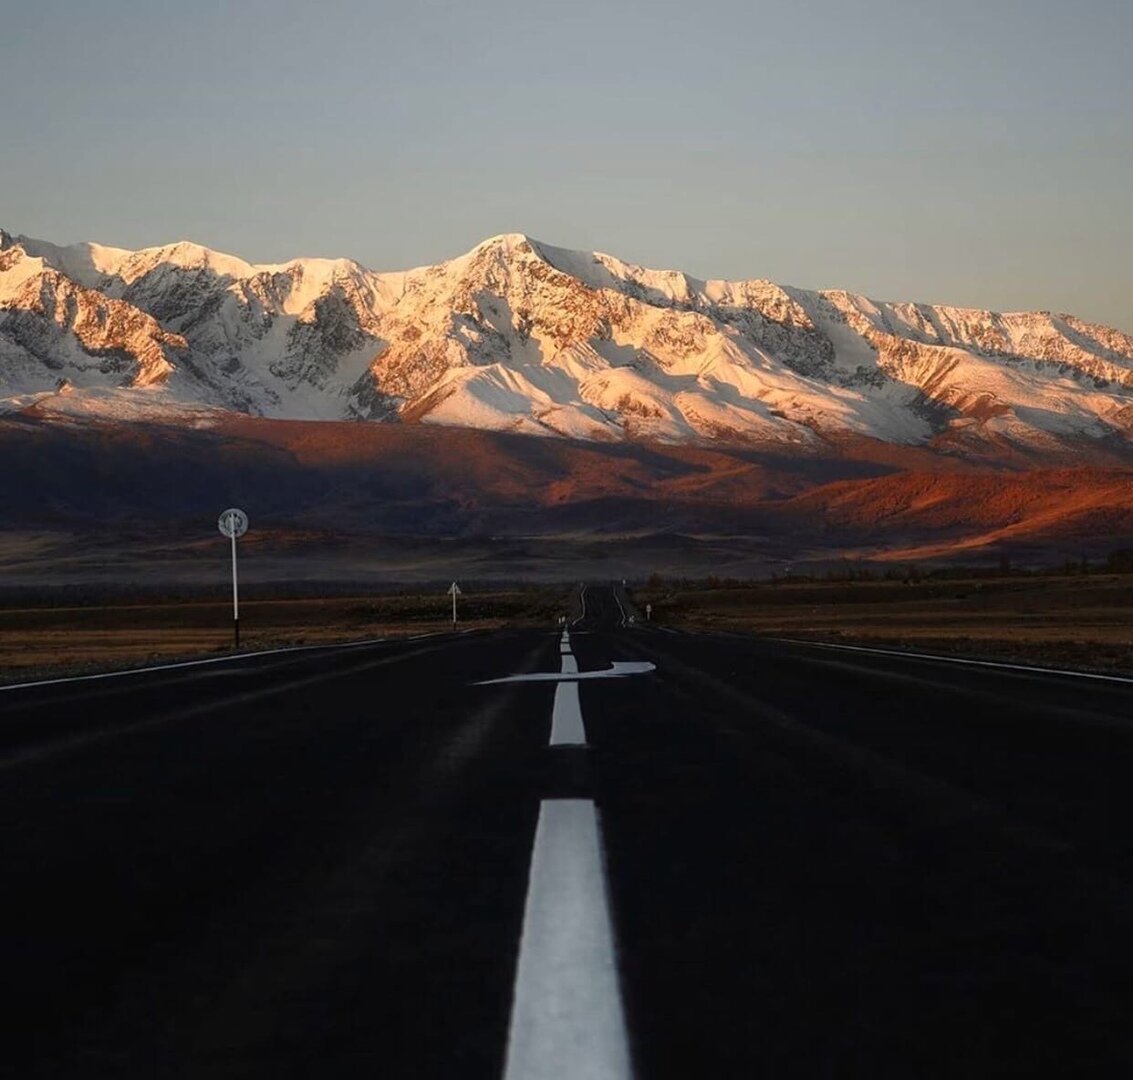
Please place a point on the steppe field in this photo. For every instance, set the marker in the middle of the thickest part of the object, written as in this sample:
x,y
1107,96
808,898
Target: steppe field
x,y
40,639
1080,621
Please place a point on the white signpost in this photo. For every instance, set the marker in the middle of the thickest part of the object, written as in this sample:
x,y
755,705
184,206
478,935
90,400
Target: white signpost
x,y
233,523
454,592
649,611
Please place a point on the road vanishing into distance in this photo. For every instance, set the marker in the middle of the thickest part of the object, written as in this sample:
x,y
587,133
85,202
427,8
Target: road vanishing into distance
x,y
723,857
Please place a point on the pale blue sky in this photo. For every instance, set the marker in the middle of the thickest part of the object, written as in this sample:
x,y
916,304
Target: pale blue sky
x,y
960,152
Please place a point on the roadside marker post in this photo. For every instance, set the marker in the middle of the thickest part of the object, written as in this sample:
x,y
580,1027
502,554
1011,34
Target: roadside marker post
x,y
648,612
233,523
454,592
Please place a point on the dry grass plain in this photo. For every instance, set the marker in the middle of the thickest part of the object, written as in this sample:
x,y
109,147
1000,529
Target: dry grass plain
x,y
52,641
1083,622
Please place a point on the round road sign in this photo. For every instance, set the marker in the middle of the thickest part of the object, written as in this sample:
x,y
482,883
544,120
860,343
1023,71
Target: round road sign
x,y
233,522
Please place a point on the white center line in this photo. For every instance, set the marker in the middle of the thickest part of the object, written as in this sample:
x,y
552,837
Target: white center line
x,y
567,1017
566,715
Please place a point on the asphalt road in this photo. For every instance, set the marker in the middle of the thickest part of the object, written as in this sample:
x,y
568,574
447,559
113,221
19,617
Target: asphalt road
x,y
817,863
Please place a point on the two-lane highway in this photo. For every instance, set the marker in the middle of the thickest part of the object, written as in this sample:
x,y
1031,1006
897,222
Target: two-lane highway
x,y
498,854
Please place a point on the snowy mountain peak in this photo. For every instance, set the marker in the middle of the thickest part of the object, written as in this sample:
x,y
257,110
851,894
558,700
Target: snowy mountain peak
x,y
513,242
521,335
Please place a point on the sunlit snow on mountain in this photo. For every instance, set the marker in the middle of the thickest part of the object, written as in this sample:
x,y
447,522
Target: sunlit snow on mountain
x,y
523,337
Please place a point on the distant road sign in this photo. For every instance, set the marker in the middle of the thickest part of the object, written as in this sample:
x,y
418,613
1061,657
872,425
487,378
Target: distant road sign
x,y
454,592
232,523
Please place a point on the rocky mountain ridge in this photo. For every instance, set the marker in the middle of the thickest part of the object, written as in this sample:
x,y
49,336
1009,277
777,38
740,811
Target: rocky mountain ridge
x,y
521,336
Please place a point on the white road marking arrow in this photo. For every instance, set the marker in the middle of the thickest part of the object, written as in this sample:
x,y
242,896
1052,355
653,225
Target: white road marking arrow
x,y
619,670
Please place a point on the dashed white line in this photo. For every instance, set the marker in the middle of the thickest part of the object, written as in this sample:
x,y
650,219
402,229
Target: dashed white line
x,y
566,714
567,1017
566,717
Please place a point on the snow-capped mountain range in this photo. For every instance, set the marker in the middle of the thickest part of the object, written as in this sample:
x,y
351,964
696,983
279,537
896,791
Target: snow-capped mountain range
x,y
521,336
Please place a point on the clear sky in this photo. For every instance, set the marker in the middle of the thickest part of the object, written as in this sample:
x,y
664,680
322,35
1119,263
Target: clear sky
x,y
973,152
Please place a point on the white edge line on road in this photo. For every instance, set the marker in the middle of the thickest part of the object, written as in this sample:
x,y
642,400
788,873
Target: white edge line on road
x,y
959,660
621,609
567,1016
217,660
582,601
